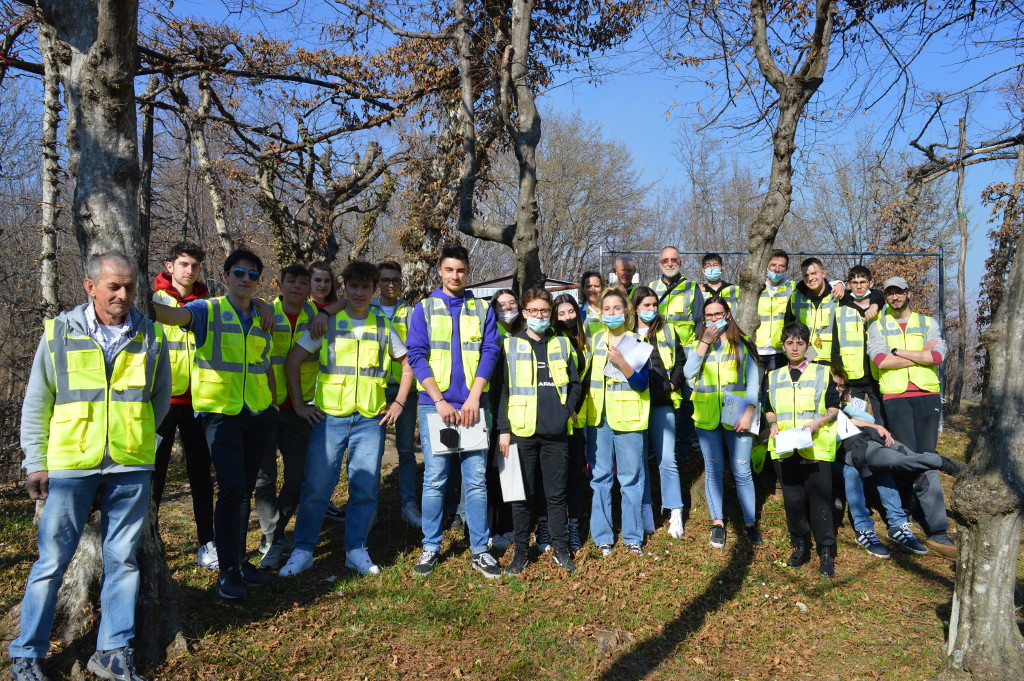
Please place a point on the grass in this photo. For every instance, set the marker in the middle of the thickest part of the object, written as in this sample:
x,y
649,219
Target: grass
x,y
685,611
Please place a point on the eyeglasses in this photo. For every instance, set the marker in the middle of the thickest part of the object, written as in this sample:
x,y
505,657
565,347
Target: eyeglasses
x,y
537,311
668,261
389,282
240,272
896,292
711,316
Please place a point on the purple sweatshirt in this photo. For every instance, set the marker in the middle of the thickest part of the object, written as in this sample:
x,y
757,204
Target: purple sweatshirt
x,y
418,344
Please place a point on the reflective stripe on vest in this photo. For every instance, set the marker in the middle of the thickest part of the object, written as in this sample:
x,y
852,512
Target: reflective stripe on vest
x,y
799,403
771,310
851,338
92,413
818,320
724,370
627,410
181,348
354,366
895,381
231,366
400,323
471,337
592,323
522,379
677,307
284,339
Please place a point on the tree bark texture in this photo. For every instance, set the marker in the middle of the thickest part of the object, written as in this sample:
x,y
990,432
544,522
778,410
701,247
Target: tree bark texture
x,y
961,275
50,205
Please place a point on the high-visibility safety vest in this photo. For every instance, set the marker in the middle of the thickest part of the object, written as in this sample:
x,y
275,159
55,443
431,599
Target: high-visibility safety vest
x,y
181,348
231,366
284,339
895,381
677,307
724,371
771,310
400,323
592,323
471,336
92,412
627,411
818,319
730,294
354,366
522,379
850,334
796,404
665,344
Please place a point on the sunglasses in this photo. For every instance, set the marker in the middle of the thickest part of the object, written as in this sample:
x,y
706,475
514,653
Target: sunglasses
x,y
240,272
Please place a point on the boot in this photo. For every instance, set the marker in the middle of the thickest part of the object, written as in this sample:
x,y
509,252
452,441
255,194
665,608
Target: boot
x,y
801,551
827,558
951,467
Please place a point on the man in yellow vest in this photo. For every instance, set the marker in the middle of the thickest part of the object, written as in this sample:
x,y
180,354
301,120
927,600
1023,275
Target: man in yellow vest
x,y
100,385
177,286
293,312
813,304
625,271
771,311
714,285
907,348
233,390
351,413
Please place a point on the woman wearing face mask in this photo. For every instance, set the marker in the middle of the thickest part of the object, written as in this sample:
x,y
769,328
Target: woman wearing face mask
x,y
667,363
723,361
538,396
507,310
499,514
618,408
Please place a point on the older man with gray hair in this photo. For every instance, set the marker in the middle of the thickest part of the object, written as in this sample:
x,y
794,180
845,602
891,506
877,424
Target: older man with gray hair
x,y
625,270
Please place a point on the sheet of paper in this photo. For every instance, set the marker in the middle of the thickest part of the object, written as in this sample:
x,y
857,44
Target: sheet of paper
x,y
793,439
733,407
462,440
846,427
634,352
510,474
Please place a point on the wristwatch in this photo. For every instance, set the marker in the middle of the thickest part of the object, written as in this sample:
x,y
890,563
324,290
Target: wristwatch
x,y
894,352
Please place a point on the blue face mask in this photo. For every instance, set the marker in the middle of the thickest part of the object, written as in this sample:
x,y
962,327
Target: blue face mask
x,y
648,316
856,297
538,325
713,274
776,277
721,324
613,321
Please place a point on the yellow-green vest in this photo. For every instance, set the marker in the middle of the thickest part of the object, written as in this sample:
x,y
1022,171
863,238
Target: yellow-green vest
x,y
471,336
284,339
522,379
665,344
676,308
730,294
724,371
231,366
181,348
895,381
771,310
92,412
627,411
354,366
851,337
796,404
818,320
593,323
400,323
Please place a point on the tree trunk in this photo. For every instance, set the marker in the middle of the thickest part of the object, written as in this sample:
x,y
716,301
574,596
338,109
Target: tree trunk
x,y
51,206
961,275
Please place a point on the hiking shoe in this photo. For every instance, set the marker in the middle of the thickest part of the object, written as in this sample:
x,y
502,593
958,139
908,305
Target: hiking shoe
x,y
635,549
206,556
485,564
334,513
647,511
827,561
28,669
904,535
230,585
359,560
252,576
542,537
753,535
411,514
801,552
563,559
116,665
425,565
575,544
300,561
869,540
718,536
272,558
520,559
676,526
501,542
942,545
951,467
605,549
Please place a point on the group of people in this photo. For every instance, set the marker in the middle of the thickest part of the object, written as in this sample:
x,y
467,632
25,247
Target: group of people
x,y
839,379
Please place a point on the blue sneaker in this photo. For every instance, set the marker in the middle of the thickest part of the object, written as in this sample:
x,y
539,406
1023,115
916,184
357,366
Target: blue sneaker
x,y
115,665
28,669
904,536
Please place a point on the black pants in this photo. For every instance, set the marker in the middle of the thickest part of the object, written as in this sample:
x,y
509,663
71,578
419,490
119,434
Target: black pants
x,y
807,496
914,421
551,454
237,445
275,508
181,418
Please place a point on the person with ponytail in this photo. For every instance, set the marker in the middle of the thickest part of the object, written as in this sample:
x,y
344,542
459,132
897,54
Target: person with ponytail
x,y
506,310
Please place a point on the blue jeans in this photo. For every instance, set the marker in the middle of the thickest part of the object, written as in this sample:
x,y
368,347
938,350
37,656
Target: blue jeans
x,y
473,466
328,440
607,451
405,442
663,441
123,499
888,494
712,445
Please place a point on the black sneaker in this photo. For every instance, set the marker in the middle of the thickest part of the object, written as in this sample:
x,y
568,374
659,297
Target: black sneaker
x,y
562,557
252,576
334,513
942,545
718,536
827,561
485,564
753,535
28,669
801,552
869,540
574,537
904,536
230,585
520,559
425,565
543,537
115,665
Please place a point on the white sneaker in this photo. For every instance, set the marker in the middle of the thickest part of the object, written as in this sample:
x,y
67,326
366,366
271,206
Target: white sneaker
x,y
675,524
297,564
359,560
411,515
206,557
648,514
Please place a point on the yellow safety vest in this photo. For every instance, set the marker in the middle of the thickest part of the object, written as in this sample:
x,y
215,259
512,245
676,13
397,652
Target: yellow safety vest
x,y
850,334
92,412
522,379
181,348
725,370
354,366
471,336
818,320
400,323
677,307
627,410
665,342
796,404
771,310
285,338
593,322
231,366
895,381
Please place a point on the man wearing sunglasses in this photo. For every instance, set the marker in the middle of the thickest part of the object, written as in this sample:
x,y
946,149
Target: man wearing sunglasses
x,y
233,391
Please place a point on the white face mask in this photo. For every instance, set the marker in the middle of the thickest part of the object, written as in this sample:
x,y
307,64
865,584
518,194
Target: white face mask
x,y
509,316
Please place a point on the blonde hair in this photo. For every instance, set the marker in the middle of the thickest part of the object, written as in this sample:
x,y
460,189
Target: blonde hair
x,y
630,311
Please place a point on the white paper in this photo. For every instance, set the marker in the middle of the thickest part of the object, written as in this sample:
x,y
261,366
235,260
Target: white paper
x,y
634,352
510,474
846,427
470,439
733,407
793,439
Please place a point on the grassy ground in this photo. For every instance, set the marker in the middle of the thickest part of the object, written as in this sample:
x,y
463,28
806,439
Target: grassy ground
x,y
685,611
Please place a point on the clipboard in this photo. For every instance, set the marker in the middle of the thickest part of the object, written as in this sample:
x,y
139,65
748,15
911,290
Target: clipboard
x,y
446,439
